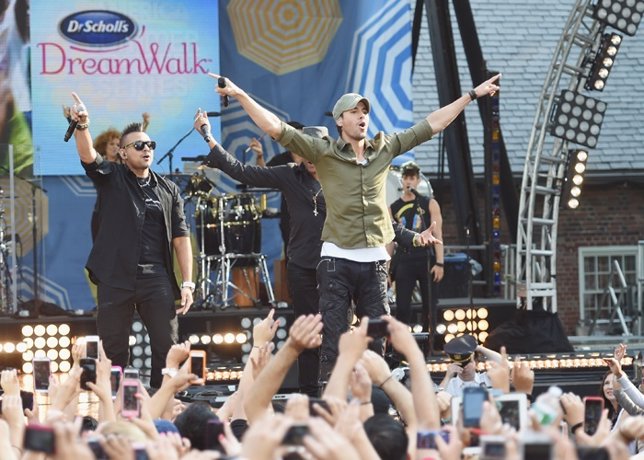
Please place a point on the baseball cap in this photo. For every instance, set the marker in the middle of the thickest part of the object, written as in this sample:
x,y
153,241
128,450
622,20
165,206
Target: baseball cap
x,y
409,167
347,102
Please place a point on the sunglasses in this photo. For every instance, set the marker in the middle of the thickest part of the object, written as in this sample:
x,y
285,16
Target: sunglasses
x,y
140,145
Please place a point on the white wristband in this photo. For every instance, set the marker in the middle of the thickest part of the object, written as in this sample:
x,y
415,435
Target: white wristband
x,y
188,284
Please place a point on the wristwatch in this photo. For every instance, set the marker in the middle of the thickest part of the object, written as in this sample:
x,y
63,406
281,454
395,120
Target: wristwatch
x,y
188,284
169,371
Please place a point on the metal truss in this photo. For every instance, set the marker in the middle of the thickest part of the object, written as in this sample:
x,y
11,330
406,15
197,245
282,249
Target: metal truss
x,y
545,164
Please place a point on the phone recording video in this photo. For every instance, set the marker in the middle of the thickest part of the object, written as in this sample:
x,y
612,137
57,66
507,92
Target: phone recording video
x,y
214,428
131,406
377,328
295,435
39,438
91,346
42,371
426,439
593,408
198,363
473,399
115,379
88,366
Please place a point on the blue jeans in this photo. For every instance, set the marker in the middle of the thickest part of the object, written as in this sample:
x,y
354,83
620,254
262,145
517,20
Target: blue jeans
x,y
340,281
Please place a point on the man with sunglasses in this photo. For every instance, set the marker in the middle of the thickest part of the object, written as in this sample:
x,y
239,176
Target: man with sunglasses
x,y
141,221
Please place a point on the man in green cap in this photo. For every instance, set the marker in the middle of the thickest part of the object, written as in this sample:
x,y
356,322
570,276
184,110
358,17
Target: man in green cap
x,y
353,172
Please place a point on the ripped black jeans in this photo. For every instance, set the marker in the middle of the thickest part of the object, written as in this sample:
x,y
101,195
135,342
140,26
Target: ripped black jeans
x,y
340,281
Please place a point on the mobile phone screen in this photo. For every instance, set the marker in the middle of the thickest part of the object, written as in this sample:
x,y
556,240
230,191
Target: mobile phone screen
x,y
115,380
41,375
91,347
592,413
536,451
377,328
89,372
130,373
130,402
473,399
214,428
196,365
39,439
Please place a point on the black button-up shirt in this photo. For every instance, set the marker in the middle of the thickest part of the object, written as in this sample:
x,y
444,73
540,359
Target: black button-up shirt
x,y
120,207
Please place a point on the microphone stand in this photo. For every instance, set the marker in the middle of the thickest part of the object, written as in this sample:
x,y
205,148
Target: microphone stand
x,y
170,153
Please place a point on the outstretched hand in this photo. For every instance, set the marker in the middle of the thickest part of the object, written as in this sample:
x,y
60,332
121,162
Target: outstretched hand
x,y
78,111
427,236
488,87
229,89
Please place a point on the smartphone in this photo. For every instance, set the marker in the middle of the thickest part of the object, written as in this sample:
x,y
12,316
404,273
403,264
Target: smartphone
x,y
131,404
88,366
97,450
91,346
319,401
492,447
116,375
535,446
42,371
473,399
592,453
295,435
198,363
214,428
27,398
426,439
39,438
377,328
131,373
593,407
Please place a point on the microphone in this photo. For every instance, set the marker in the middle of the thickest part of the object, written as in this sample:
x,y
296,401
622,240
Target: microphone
x,y
413,190
205,132
70,130
221,82
213,114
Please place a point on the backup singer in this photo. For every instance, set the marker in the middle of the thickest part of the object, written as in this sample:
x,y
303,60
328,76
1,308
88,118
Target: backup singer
x,y
353,171
141,221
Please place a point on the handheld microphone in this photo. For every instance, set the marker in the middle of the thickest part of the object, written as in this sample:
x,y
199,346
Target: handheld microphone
x,y
205,132
213,114
221,82
413,190
70,130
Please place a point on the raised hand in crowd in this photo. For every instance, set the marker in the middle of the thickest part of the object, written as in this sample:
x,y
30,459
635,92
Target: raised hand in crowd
x,y
499,373
522,377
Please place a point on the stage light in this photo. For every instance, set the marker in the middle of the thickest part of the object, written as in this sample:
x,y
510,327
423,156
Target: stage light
x,y
27,330
63,329
64,366
575,170
52,342
51,329
64,354
206,339
9,347
132,341
40,342
21,347
27,367
577,118
623,15
459,315
64,342
193,339
28,355
452,328
40,354
229,338
39,330
418,328
52,354
448,315
602,64
218,339
441,328
241,338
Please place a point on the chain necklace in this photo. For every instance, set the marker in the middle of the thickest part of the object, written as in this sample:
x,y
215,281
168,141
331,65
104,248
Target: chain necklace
x,y
145,182
315,202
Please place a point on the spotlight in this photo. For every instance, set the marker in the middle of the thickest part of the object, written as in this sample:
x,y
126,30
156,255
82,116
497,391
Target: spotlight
x,y
229,338
193,339
205,339
241,338
63,329
39,330
51,329
218,339
441,328
27,331
603,62
577,118
623,15
575,170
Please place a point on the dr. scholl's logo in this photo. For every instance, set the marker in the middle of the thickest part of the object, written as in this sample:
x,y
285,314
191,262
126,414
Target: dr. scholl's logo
x,y
97,28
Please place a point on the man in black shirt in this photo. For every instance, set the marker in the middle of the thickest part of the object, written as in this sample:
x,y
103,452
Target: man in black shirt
x,y
305,199
140,222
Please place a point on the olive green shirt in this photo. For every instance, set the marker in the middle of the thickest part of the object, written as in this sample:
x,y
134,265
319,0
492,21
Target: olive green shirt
x,y
357,211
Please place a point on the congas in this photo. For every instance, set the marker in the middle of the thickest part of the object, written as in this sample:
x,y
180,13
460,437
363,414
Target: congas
x,y
238,217
394,185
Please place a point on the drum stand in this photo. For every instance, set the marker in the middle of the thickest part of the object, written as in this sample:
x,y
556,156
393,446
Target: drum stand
x,y
224,263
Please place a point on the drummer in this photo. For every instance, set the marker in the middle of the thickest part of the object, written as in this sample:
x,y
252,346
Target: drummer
x,y
305,199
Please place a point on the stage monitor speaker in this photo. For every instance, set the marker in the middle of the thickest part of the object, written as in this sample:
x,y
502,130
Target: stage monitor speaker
x,y
455,279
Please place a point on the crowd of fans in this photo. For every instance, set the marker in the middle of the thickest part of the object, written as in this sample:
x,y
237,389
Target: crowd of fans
x,y
363,412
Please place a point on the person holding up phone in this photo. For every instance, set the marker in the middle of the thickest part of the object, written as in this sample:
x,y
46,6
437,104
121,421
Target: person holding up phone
x,y
140,224
461,372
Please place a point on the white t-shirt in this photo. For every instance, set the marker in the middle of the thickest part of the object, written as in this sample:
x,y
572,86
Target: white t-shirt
x,y
455,385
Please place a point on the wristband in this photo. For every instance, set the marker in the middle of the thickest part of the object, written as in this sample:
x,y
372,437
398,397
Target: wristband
x,y
188,284
365,403
385,381
472,94
576,426
439,264
82,126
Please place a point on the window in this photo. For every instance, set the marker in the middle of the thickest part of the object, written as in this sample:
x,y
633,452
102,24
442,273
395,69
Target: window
x,y
597,273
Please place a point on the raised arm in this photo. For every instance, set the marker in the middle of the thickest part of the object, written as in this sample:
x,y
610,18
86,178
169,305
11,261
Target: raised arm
x,y
84,143
266,120
443,117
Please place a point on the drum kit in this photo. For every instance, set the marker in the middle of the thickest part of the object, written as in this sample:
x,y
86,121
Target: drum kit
x,y
229,236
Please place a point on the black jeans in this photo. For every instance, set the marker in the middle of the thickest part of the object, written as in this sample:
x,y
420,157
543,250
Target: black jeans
x,y
154,300
411,268
303,287
341,281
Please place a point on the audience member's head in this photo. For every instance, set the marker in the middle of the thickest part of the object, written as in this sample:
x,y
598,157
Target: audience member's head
x,y
387,436
192,423
125,429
